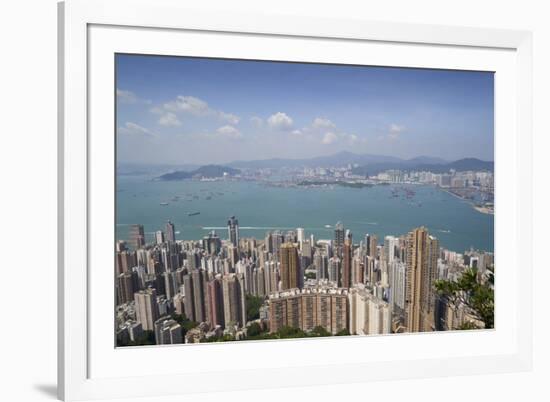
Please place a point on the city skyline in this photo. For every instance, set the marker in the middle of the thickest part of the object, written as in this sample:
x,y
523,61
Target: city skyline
x,y
172,110
306,287
299,200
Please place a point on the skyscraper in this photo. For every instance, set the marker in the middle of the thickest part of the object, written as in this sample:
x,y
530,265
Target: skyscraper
x,y
339,236
391,244
347,251
379,316
300,232
189,301
199,294
397,285
159,236
170,232
137,236
334,270
146,308
290,267
373,246
422,252
215,302
212,243
428,301
277,239
126,285
320,261
233,231
234,303
167,331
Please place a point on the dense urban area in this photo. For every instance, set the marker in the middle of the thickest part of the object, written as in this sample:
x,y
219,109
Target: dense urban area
x,y
290,284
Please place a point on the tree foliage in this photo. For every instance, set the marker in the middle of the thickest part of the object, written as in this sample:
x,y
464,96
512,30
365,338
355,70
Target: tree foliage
x,y
186,324
145,338
476,295
310,275
253,304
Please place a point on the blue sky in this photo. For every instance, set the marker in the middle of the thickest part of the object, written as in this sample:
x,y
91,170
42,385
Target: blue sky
x,y
180,110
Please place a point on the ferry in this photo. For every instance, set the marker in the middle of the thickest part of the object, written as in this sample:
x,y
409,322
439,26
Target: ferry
x,y
163,204
193,213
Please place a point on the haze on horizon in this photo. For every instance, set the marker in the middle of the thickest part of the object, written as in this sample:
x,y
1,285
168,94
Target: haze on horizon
x,y
180,110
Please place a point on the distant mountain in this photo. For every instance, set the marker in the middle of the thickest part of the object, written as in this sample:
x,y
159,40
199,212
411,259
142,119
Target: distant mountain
x,y
420,164
471,164
427,160
207,171
339,159
140,169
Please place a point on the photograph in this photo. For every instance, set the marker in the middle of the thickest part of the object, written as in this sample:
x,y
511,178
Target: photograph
x,y
266,200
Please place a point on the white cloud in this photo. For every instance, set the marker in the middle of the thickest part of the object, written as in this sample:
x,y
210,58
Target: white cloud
x,y
394,131
352,138
229,117
169,119
129,97
296,132
396,128
329,138
188,104
134,129
257,121
229,132
321,122
194,106
280,121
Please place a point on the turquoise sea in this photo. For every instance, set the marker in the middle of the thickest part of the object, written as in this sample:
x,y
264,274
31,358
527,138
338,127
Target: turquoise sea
x,y
260,208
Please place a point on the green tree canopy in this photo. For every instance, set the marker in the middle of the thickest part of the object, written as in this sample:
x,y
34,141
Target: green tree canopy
x,y
476,295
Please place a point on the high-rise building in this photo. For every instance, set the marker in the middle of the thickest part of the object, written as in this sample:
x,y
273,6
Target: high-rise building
x,y
215,303
372,249
137,236
357,270
277,239
347,253
334,270
300,232
212,243
291,237
428,301
320,261
168,331
159,236
125,261
290,267
308,308
358,310
422,253
233,230
234,302
199,285
269,242
126,286
171,283
397,285
339,236
391,245
147,311
189,299
170,232
379,316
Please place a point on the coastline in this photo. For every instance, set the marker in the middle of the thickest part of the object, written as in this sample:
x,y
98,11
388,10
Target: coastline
x,y
481,209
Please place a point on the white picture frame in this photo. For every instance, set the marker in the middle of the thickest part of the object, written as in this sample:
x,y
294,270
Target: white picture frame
x,y
91,30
